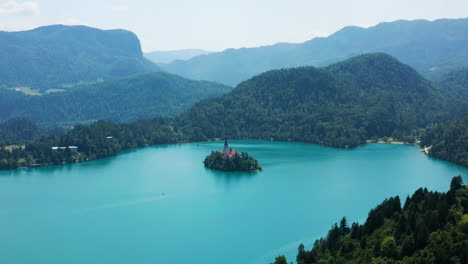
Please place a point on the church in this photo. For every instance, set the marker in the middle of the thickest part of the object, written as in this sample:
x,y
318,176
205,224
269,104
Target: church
x,y
228,152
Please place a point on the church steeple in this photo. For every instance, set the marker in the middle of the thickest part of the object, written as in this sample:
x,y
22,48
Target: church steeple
x,y
226,148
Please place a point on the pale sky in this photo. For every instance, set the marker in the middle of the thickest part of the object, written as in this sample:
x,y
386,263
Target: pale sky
x,y
216,24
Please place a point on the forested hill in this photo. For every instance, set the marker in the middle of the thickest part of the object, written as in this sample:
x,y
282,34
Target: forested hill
x,y
133,98
431,47
342,105
455,82
430,228
448,141
59,56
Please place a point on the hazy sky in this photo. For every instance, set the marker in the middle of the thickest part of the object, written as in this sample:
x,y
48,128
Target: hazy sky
x,y
217,24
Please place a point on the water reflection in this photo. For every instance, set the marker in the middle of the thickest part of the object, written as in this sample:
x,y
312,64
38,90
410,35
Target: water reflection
x,y
230,178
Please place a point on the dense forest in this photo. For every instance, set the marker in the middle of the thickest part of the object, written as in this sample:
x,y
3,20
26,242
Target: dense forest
x,y
455,82
60,56
430,47
448,141
238,162
143,96
19,131
98,140
430,228
343,105
367,97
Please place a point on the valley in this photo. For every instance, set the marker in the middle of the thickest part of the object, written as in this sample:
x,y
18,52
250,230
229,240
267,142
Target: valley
x,y
116,147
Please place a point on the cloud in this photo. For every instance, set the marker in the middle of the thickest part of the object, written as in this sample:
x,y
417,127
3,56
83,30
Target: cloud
x,y
21,8
120,8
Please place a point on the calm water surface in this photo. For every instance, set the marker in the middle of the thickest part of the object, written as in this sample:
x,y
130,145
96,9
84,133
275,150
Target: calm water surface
x,y
160,205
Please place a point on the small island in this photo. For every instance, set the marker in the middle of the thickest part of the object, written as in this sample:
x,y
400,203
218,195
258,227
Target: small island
x,y
231,160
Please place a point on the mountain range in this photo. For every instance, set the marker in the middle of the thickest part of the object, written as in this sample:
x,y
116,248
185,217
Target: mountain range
x,y
60,57
371,96
431,47
172,55
341,105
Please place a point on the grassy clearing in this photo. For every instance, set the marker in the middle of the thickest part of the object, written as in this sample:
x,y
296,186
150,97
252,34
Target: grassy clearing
x,y
29,91
11,147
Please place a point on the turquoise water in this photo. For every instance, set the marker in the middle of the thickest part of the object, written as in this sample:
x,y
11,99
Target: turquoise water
x,y
160,205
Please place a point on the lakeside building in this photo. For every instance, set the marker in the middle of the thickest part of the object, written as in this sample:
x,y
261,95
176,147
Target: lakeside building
x,y
73,149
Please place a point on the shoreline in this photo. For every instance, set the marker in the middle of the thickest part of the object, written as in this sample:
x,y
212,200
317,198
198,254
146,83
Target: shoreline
x,y
391,142
210,140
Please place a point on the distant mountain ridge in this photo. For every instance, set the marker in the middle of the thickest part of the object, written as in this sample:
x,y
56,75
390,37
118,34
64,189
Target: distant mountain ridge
x,y
172,55
54,56
143,96
342,105
431,47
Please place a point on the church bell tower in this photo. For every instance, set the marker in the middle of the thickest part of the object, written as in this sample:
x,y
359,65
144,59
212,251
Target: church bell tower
x,y
226,148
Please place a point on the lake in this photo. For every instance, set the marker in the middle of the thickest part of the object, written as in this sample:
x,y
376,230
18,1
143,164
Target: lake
x,y
161,205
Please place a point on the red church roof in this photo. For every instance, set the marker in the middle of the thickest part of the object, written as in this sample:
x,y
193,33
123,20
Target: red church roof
x,y
229,152
232,153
